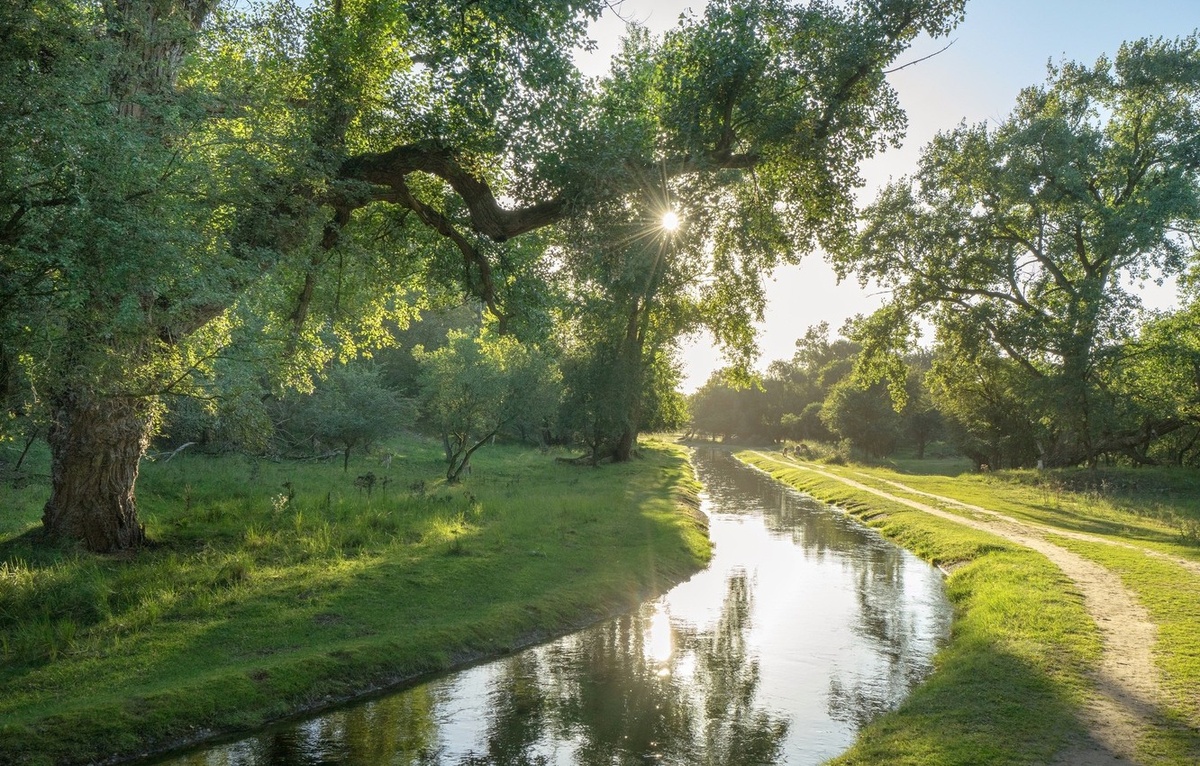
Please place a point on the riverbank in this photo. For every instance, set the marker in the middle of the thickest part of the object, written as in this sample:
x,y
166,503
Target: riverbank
x,y
277,588
1059,593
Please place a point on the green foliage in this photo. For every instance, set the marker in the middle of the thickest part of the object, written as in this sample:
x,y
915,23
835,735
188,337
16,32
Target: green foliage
x,y
351,409
863,415
985,401
663,407
399,367
189,185
1157,375
1017,242
235,418
820,395
474,387
714,97
720,408
600,388
628,297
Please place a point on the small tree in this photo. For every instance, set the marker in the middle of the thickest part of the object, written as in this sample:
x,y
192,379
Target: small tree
x,y
352,409
864,415
474,387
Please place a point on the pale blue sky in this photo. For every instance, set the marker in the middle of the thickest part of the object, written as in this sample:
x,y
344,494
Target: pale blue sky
x,y
1002,47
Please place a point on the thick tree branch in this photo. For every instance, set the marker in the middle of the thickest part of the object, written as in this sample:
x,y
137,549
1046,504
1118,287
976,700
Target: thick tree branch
x,y
432,218
997,337
390,170
1009,234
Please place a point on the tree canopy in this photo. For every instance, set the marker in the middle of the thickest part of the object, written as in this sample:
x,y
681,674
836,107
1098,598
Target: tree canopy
x,y
1019,242
303,173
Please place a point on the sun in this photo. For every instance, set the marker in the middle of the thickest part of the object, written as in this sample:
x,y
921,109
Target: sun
x,y
670,221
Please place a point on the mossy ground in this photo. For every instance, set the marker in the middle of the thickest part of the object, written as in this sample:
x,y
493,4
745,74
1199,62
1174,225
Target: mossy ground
x,y
277,587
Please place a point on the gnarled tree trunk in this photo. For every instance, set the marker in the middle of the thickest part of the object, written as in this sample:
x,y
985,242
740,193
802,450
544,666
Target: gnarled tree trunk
x,y
96,444
97,438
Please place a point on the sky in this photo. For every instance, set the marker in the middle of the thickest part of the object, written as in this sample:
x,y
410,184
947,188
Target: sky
x,y
1001,47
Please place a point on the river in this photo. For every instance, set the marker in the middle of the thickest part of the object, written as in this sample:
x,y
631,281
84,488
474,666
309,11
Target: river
x,y
806,626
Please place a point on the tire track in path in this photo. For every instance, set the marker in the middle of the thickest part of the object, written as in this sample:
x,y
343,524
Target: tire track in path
x,y
1127,689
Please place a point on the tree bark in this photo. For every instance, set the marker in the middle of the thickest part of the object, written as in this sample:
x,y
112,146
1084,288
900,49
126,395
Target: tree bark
x,y
96,439
96,444
623,449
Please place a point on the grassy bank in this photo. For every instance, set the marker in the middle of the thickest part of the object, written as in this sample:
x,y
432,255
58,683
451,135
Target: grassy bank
x,y
1007,688
1145,522
279,587
1015,609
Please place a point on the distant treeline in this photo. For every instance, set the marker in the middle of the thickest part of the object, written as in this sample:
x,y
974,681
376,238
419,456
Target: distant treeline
x,y
1142,408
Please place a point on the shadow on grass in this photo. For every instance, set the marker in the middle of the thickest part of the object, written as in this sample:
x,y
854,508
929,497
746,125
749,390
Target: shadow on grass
x,y
253,609
982,706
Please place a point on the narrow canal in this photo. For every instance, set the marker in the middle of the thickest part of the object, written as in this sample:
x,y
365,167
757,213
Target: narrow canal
x,y
805,627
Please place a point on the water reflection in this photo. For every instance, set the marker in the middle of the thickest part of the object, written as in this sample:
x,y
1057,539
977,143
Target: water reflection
x,y
805,627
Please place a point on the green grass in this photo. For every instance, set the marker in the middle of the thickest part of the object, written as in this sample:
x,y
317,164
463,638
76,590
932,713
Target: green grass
x,y
278,587
1157,508
1007,688
1154,509
1171,594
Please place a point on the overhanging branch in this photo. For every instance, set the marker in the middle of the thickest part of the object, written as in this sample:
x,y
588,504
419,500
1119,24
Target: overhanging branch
x,y
390,169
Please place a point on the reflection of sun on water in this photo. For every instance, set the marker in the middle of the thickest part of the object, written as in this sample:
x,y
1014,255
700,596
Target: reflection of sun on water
x,y
658,642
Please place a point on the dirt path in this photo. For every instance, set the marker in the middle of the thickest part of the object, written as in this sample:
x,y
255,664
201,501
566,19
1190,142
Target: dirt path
x,y
1188,564
1126,682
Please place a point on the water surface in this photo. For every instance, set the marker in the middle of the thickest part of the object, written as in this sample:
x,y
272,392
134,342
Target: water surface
x,y
806,626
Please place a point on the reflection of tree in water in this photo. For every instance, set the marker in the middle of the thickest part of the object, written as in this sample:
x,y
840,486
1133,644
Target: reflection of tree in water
x,y
727,674
812,525
891,626
896,662
408,720
517,703
608,695
695,707
397,730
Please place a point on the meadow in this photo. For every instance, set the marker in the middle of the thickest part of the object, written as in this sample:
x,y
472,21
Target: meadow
x,y
277,587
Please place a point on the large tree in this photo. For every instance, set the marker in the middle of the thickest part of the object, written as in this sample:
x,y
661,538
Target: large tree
x,y
1019,241
173,168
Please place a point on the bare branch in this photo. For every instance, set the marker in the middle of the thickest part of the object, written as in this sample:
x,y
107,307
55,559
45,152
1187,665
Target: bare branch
x,y
945,48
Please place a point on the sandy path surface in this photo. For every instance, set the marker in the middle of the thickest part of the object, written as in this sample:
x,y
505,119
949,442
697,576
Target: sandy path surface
x,y
1126,681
